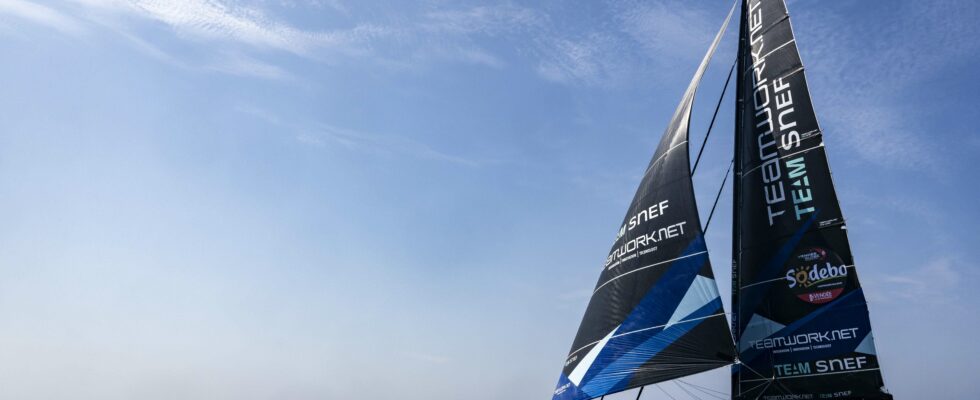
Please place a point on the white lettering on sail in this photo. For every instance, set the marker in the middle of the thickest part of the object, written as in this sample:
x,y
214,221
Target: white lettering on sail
x,y
822,366
802,339
774,110
645,242
667,232
768,153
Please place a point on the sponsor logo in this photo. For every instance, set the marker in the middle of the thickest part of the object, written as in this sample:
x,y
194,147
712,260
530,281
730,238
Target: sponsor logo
x,y
561,389
805,341
816,275
571,360
823,366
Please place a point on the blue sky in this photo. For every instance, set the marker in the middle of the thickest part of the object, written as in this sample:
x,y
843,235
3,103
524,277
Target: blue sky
x,y
336,199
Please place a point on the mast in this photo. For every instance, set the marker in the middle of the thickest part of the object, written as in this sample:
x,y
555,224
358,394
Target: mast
x,y
736,190
800,318
655,313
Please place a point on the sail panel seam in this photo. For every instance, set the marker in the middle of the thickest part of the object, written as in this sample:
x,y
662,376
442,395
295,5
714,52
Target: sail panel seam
x,y
753,245
675,323
763,58
810,375
758,167
662,157
777,279
645,267
649,328
774,24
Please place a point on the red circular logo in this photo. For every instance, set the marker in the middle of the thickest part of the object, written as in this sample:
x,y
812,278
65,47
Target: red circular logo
x,y
816,275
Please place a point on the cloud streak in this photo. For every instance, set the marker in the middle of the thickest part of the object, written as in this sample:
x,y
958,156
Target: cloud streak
x,y
668,30
210,20
588,60
866,75
249,67
243,39
41,15
644,45
933,284
485,20
380,144
323,135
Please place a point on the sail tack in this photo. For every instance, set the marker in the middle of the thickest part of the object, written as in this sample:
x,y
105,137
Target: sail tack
x,y
800,316
655,313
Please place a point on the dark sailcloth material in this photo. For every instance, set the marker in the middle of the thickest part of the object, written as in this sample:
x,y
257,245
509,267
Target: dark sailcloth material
x,y
801,319
655,313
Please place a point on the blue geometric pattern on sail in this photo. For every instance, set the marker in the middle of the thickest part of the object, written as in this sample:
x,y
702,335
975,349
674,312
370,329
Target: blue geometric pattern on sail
x,y
750,299
617,375
566,390
831,316
654,310
662,299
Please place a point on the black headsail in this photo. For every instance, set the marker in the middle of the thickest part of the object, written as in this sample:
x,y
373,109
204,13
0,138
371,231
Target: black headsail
x,y
800,315
655,313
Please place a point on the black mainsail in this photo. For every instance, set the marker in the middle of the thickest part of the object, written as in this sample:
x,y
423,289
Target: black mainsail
x,y
655,313
800,316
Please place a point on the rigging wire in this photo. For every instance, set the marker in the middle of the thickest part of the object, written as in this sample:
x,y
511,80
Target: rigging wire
x,y
687,391
640,393
712,395
769,381
665,392
752,370
703,389
718,196
763,391
714,116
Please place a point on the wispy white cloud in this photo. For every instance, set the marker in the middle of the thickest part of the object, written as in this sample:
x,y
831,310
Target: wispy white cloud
x,y
605,55
248,67
865,76
933,283
488,20
320,134
223,62
40,14
876,214
381,144
212,20
234,39
646,43
668,29
455,36
149,49
589,60
233,27
464,53
336,5
480,57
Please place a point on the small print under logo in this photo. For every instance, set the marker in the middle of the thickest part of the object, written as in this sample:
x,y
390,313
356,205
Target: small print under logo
x,y
816,275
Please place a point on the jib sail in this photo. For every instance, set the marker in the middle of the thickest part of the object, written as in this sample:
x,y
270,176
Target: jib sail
x,y
801,319
655,313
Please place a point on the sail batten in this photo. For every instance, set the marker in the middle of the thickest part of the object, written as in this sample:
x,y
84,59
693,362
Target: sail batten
x,y
800,316
655,313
